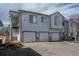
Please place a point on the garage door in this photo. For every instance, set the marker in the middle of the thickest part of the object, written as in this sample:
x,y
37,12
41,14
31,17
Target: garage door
x,y
44,37
29,37
55,36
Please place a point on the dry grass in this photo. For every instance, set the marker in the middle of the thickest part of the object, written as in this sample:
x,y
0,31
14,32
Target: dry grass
x,y
17,44
74,42
54,48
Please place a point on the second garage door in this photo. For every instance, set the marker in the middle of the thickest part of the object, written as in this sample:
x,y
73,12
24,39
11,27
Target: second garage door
x,y
55,36
29,36
44,37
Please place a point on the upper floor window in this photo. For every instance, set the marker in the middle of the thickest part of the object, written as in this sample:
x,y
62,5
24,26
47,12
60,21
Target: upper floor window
x,y
32,19
43,19
56,20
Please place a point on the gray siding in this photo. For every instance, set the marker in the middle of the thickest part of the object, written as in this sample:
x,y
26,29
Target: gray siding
x,y
65,29
52,21
70,27
26,26
73,29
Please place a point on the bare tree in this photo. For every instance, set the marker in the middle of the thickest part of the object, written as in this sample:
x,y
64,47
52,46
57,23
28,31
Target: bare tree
x,y
75,18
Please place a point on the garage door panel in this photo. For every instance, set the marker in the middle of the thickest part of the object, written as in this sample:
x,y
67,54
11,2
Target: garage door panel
x,y
44,37
55,36
29,36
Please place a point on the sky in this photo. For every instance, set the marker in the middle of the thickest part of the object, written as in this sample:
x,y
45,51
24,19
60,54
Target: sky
x,y
66,9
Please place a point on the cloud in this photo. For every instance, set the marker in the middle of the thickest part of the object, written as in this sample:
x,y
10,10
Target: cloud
x,y
4,11
35,7
66,9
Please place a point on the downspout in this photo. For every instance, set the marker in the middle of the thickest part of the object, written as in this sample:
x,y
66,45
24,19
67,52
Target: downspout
x,y
50,34
10,18
72,29
20,27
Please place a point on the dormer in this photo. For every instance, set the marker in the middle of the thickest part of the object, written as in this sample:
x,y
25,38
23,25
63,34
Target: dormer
x,y
56,20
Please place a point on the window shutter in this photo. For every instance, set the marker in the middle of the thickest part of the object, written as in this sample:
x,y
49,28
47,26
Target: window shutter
x,y
55,20
30,19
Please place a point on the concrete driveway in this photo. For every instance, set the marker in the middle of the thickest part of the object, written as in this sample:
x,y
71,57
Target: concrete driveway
x,y
54,48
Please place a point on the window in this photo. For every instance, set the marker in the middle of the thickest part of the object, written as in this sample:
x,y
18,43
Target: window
x,y
56,20
43,19
32,19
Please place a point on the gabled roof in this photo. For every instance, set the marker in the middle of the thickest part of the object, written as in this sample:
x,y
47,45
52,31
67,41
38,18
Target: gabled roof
x,y
36,12
32,12
1,24
58,13
40,13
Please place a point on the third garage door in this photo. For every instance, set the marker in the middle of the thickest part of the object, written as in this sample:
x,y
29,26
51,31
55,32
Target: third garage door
x,y
55,36
44,37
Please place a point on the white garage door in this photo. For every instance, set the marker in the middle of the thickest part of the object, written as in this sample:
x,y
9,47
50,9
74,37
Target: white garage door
x,y
44,37
29,37
55,36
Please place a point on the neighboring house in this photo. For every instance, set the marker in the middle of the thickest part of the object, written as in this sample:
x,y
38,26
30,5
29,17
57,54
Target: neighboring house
x,y
73,28
29,26
1,27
